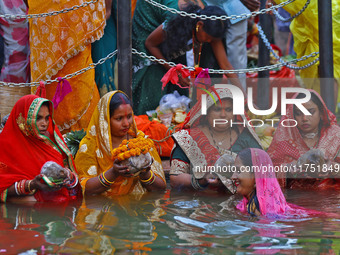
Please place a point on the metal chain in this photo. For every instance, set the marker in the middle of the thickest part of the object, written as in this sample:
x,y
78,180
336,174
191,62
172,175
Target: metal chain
x,y
68,76
40,15
267,43
277,14
213,17
251,70
172,64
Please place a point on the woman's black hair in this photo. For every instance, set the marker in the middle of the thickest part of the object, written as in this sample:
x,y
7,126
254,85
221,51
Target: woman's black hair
x,y
46,103
245,156
314,99
117,100
180,28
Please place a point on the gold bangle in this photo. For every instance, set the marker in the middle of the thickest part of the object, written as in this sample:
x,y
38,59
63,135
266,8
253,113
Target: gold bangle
x,y
29,188
102,183
103,174
149,178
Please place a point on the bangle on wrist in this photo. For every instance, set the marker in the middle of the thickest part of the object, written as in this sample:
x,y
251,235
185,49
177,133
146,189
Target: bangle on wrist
x,y
110,182
196,185
31,191
150,180
74,183
103,182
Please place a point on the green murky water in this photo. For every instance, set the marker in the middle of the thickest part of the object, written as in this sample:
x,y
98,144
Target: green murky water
x,y
168,223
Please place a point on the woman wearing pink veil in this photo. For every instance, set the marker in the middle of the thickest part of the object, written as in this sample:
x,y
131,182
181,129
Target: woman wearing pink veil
x,y
262,195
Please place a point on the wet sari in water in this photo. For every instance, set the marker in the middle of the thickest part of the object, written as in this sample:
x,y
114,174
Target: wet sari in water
x,y
288,145
271,201
94,155
24,150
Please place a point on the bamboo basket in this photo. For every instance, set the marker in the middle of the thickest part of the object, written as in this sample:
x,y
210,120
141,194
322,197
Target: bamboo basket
x,y
9,96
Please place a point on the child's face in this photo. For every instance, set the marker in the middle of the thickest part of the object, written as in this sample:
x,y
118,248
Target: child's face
x,y
243,179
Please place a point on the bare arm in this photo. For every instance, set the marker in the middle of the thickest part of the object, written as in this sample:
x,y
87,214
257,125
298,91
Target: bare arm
x,y
252,5
30,185
223,62
108,7
158,184
94,186
152,44
153,41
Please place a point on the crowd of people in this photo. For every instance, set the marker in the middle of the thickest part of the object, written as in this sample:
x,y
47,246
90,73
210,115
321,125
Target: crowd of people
x,y
59,45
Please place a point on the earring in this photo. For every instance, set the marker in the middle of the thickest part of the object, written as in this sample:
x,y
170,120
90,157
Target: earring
x,y
197,27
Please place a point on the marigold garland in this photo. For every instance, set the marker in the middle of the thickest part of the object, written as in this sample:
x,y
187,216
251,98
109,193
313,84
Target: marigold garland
x,y
132,147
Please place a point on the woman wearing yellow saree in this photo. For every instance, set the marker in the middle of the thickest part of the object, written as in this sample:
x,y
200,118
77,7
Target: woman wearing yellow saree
x,y
61,45
111,123
305,30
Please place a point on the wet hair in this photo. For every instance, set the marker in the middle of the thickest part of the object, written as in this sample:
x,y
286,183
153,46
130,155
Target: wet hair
x,y
117,100
245,156
179,29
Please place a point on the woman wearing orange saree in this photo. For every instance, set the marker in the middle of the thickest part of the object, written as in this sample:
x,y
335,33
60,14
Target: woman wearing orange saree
x,y
29,139
61,45
111,123
317,131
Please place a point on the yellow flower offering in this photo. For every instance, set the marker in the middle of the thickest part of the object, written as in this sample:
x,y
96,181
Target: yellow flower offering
x,y
133,147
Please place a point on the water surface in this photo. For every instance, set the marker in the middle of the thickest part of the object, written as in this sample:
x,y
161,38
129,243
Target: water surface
x,y
168,223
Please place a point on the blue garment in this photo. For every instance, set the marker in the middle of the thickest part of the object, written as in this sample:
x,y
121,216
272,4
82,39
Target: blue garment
x,y
283,26
231,7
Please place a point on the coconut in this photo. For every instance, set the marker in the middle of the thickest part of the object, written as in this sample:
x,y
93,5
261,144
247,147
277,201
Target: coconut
x,y
53,173
138,163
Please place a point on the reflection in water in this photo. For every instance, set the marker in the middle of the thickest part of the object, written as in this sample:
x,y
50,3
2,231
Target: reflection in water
x,y
167,223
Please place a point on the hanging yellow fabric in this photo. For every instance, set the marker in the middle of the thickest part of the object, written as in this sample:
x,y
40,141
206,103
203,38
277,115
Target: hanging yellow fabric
x,y
305,30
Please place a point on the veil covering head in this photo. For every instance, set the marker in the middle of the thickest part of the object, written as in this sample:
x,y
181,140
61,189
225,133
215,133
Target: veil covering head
x,y
272,201
24,150
95,151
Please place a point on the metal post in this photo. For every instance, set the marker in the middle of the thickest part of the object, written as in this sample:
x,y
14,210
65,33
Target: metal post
x,y
124,31
326,67
264,60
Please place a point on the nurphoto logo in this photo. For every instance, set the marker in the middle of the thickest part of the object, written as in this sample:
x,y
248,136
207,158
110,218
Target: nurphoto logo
x,y
238,108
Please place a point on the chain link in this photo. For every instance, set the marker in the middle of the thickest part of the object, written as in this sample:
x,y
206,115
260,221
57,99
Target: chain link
x,y
213,17
68,76
172,64
250,70
41,15
267,43
277,14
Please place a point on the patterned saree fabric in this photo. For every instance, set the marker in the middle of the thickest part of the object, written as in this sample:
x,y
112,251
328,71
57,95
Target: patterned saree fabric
x,y
24,150
199,139
61,45
193,147
15,34
94,155
288,144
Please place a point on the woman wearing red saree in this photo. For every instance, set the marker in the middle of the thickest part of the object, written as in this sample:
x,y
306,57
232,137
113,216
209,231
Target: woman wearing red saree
x,y
202,144
29,139
317,131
